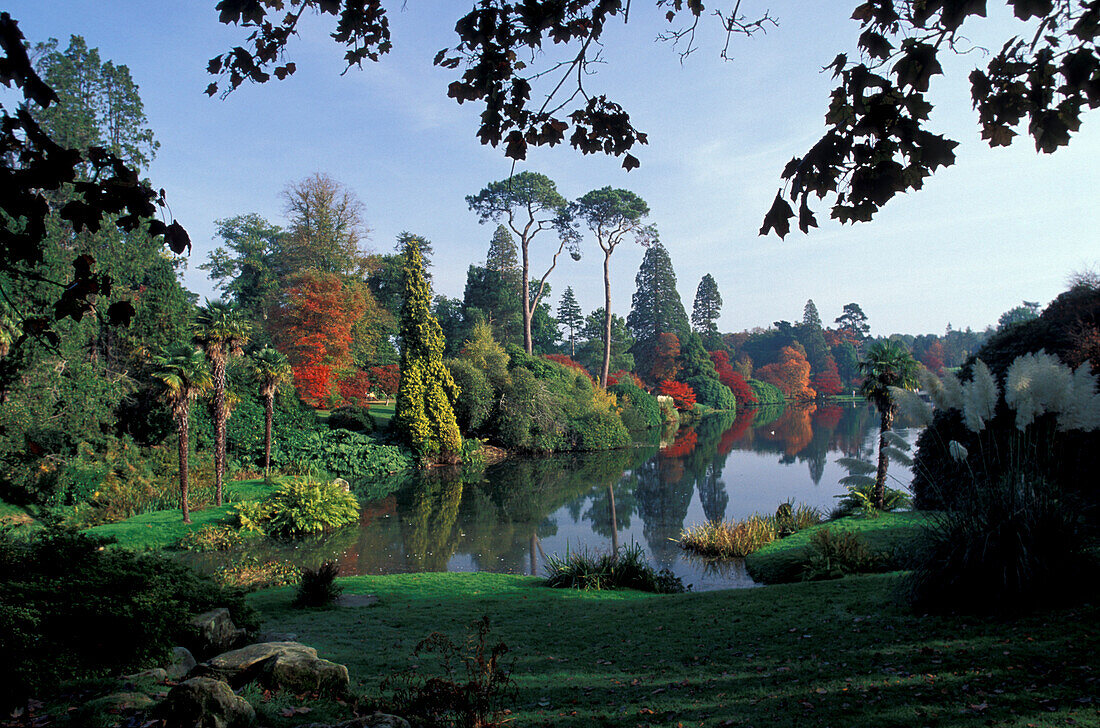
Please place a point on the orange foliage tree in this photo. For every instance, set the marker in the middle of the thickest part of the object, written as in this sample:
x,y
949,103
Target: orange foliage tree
x,y
311,324
386,378
666,358
827,381
791,374
933,358
682,395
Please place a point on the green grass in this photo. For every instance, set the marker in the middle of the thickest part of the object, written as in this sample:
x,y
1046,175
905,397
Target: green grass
x,y
888,534
838,653
382,414
162,529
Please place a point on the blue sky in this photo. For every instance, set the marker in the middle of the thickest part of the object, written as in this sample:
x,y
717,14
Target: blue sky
x,y
1000,226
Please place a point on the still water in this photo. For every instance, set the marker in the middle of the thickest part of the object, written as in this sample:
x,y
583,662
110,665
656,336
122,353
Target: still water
x,y
508,517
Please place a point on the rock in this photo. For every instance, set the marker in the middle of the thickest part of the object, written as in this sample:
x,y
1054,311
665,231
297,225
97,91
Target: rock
x,y
343,484
183,662
203,702
216,631
278,665
156,674
277,637
378,720
116,703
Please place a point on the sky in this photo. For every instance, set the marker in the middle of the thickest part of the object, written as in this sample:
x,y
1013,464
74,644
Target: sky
x,y
999,227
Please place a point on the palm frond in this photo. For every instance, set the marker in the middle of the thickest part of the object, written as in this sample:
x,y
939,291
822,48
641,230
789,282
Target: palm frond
x,y
893,439
857,481
855,466
898,456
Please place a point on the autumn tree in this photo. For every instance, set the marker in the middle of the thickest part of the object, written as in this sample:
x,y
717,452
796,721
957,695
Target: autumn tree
x,y
221,333
790,374
827,380
530,204
933,357
682,395
425,416
612,215
665,358
569,316
312,324
732,379
706,310
326,228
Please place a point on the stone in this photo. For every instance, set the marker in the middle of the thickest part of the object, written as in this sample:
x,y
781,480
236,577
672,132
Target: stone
x,y
277,637
216,631
156,674
278,665
183,662
343,484
203,702
116,703
377,720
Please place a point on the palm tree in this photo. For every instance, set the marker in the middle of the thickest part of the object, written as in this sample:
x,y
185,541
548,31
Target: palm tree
x,y
182,370
886,365
221,333
271,370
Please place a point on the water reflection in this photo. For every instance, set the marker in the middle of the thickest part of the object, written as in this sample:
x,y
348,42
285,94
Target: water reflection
x,y
508,517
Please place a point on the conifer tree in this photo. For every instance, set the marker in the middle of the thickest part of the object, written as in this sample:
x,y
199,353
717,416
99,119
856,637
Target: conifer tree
x,y
570,316
425,416
656,307
503,255
812,338
707,308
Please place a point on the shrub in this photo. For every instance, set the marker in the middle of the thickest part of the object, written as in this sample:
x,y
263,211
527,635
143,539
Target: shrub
x,y
1003,546
640,410
475,401
353,419
860,499
529,417
682,395
120,611
250,573
210,538
670,416
791,519
766,393
729,539
300,507
835,555
712,393
626,568
318,587
350,455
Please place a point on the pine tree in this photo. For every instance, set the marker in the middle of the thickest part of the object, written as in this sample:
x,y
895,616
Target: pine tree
x,y
707,308
569,316
812,338
852,324
425,416
503,255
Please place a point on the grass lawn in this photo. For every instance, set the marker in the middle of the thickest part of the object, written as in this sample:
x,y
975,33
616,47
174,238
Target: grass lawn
x,y
840,653
161,529
889,534
382,414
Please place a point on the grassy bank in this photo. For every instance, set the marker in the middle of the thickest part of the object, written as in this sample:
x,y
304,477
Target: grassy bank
x,y
888,534
840,653
161,529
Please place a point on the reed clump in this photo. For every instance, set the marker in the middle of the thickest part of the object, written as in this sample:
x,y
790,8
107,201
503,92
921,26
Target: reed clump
x,y
737,539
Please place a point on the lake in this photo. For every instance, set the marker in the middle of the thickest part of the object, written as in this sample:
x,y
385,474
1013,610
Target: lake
x,y
509,516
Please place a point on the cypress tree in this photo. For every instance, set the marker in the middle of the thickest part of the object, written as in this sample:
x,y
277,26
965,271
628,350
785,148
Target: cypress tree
x,y
707,308
425,415
503,255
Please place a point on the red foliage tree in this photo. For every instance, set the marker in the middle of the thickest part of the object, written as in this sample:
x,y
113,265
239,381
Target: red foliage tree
x,y
827,381
311,324
686,440
355,387
791,374
616,377
386,378
732,379
933,358
682,395
666,358
565,361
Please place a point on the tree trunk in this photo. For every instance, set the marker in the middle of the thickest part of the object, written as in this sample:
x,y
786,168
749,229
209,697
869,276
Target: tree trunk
x,y
883,461
525,297
183,423
269,415
614,523
217,364
606,319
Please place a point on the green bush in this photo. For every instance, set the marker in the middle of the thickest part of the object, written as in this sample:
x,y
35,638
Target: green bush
x,y
353,419
350,455
625,569
1006,546
529,417
712,393
318,587
860,499
640,410
210,538
835,555
119,611
766,393
300,507
475,400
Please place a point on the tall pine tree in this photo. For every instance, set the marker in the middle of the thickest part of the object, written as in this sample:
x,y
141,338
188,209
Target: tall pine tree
x,y
570,317
656,307
707,309
425,416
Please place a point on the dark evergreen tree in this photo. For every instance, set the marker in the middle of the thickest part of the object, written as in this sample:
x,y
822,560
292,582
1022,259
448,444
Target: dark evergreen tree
x,y
570,317
656,307
503,255
852,324
707,309
590,352
812,338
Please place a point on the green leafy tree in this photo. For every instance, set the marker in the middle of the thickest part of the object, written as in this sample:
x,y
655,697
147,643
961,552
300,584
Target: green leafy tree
x,y
221,333
612,215
184,377
425,416
1029,311
530,204
852,324
655,307
590,352
707,309
570,316
326,227
246,268
271,370
885,366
